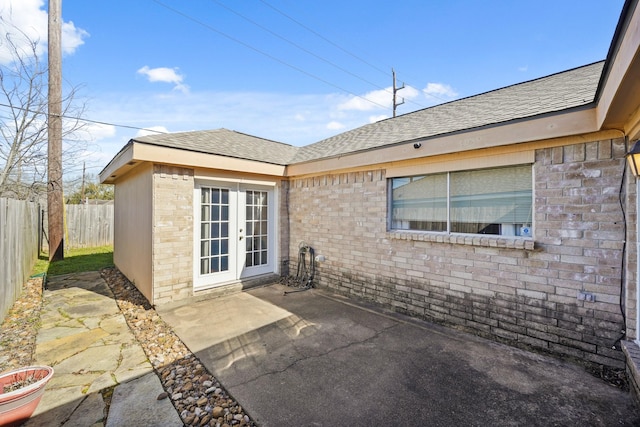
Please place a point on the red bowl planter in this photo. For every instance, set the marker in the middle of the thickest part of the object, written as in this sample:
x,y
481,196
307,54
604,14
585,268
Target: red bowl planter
x,y
18,405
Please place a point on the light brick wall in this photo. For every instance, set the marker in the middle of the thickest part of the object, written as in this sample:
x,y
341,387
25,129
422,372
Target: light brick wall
x,y
172,233
503,288
283,226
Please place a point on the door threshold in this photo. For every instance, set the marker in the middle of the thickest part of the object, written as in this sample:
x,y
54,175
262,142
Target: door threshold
x,y
229,288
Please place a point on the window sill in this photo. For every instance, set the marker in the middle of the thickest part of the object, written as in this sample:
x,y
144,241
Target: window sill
x,y
489,241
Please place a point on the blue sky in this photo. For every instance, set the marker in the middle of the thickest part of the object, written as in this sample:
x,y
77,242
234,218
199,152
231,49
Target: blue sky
x,y
298,71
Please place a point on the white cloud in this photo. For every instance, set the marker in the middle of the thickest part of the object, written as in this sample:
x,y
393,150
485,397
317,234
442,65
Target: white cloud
x,y
27,21
165,75
440,91
99,131
373,119
72,37
373,100
378,99
150,130
333,125
523,68
408,92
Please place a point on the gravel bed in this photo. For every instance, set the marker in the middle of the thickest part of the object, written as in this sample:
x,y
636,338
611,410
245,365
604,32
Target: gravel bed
x,y
20,327
196,394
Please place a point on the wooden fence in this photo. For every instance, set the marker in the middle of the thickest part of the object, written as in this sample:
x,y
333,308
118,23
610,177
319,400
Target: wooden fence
x,y
19,239
89,226
23,230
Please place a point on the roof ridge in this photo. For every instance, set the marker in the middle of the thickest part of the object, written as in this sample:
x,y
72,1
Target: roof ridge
x,y
494,90
517,101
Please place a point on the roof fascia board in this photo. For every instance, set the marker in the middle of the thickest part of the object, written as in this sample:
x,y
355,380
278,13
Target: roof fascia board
x,y
193,159
576,122
120,161
634,128
624,52
136,152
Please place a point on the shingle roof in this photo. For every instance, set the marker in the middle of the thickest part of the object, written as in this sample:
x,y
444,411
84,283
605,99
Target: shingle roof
x,y
225,142
549,94
561,91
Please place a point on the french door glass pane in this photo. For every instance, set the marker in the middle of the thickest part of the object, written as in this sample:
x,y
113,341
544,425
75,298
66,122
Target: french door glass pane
x,y
256,228
214,230
215,264
204,266
205,230
205,195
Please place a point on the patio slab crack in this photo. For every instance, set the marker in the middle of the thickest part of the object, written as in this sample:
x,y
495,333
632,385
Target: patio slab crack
x,y
304,358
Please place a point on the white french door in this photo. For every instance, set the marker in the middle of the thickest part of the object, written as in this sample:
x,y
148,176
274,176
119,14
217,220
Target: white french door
x,y
234,232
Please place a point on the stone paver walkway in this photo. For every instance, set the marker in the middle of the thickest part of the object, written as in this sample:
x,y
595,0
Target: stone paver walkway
x,y
85,338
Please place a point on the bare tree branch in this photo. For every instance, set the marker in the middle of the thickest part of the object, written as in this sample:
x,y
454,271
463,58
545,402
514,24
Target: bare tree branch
x,y
23,119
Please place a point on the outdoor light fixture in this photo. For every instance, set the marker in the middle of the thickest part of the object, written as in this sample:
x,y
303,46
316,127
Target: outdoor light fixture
x,y
417,145
633,157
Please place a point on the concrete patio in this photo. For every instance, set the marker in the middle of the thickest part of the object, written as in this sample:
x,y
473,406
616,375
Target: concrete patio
x,y
311,358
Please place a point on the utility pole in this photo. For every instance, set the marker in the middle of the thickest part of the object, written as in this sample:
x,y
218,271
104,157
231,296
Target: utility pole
x,y
395,90
54,129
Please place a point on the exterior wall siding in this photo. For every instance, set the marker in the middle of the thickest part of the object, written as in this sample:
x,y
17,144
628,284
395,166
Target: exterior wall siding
x,y
172,233
133,228
524,292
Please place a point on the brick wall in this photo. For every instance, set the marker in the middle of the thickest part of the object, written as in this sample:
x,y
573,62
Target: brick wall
x,y
507,289
283,227
172,233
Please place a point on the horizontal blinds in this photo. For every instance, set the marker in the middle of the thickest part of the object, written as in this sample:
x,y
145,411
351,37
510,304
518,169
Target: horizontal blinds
x,y
492,196
487,196
422,198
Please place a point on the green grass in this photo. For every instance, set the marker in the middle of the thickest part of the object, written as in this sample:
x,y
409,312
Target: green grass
x,y
75,261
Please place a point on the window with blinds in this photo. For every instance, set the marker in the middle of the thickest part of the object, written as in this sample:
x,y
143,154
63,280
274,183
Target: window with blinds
x,y
486,201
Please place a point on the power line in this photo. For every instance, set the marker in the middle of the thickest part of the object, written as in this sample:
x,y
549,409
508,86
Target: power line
x,y
353,55
99,122
391,92
307,51
337,46
302,48
248,46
